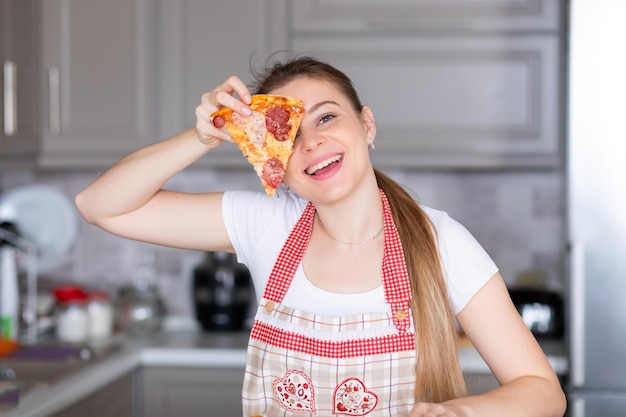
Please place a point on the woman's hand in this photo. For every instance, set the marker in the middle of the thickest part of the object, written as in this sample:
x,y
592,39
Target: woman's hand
x,y
221,96
436,410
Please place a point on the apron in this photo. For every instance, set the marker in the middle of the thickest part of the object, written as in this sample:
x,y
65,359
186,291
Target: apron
x,y
299,363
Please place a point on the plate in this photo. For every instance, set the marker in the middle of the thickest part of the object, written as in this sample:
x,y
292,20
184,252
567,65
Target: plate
x,y
46,217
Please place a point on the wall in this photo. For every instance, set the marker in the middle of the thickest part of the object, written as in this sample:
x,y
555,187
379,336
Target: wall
x,y
518,216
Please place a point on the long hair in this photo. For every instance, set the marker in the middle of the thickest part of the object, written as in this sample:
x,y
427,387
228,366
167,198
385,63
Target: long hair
x,y
438,374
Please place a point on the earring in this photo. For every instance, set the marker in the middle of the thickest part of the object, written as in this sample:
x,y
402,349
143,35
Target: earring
x,y
370,145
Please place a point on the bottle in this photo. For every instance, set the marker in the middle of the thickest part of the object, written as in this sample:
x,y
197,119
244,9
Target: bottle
x,y
100,312
9,292
222,292
71,314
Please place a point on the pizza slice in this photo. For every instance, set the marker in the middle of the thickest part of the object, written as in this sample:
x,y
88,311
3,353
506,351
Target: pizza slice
x,y
266,136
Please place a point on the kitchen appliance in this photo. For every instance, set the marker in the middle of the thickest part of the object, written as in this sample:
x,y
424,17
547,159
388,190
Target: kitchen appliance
x,y
222,292
596,208
541,310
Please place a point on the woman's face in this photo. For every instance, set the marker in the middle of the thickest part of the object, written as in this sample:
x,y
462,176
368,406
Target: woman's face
x,y
331,156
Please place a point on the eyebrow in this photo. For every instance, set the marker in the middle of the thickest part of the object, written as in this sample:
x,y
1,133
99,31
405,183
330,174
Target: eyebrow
x,y
321,103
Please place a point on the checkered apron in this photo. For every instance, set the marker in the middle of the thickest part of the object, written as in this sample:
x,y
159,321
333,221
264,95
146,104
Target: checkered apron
x,y
299,363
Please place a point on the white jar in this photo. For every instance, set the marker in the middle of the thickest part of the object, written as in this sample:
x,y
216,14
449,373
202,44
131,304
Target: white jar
x,y
71,313
100,312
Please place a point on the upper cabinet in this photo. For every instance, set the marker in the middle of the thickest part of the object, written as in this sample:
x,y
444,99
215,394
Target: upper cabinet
x,y
99,80
453,84
471,85
379,16
19,82
201,44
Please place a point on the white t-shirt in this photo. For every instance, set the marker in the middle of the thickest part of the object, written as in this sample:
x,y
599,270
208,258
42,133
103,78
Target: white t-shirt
x,y
258,227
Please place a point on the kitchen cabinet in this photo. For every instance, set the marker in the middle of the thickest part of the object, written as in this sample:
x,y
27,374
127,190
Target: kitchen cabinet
x,y
98,60
479,383
19,85
191,392
113,400
201,44
476,86
380,16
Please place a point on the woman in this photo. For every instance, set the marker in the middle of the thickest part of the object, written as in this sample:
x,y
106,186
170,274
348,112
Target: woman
x,y
359,285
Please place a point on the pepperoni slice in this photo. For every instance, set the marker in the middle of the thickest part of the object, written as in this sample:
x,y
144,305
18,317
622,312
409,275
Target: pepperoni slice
x,y
273,172
218,121
277,123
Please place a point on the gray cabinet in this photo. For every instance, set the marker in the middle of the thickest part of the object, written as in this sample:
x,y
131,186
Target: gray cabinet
x,y
479,383
472,86
99,80
201,43
19,82
192,392
384,16
113,400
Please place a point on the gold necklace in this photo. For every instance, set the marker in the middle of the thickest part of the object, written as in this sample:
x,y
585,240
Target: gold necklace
x,y
371,239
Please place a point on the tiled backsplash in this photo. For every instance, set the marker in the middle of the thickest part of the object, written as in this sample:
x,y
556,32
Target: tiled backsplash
x,y
517,216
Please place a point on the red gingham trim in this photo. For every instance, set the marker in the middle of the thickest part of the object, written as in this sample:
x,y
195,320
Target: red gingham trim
x,y
394,272
290,256
338,350
395,275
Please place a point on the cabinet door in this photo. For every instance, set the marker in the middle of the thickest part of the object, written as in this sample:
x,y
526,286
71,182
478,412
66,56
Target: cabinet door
x,y
380,16
450,101
202,43
192,392
478,383
98,59
19,84
114,400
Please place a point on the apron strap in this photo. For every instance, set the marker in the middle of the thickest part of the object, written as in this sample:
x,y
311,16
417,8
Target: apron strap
x,y
395,276
290,257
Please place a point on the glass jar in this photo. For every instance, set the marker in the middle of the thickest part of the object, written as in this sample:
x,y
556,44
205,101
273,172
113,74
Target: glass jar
x,y
72,320
100,312
140,309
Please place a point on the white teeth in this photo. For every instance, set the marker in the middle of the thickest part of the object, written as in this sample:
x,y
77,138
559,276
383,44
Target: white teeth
x,y
322,164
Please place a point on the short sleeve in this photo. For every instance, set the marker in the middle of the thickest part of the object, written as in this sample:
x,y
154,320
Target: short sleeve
x,y
466,264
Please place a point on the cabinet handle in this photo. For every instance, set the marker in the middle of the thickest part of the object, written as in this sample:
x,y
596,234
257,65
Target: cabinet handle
x,y
10,98
54,100
577,312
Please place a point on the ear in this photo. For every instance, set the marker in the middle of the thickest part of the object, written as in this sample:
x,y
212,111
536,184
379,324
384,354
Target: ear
x,y
369,123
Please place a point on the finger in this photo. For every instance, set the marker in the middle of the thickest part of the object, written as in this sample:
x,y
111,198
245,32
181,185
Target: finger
x,y
224,99
234,85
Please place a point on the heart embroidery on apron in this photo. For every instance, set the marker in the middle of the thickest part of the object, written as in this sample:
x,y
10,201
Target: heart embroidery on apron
x,y
351,398
295,392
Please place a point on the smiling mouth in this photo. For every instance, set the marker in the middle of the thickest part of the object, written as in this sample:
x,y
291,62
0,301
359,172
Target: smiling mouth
x,y
325,163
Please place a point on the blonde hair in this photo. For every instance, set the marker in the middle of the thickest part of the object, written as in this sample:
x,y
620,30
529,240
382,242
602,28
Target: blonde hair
x,y
438,374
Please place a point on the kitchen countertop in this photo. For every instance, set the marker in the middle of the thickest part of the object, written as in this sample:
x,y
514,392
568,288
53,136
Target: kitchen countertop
x,y
186,346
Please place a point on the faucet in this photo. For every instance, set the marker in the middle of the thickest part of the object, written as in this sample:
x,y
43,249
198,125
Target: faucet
x,y
29,314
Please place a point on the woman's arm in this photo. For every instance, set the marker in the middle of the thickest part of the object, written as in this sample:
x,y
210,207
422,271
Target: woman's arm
x,y
128,199
529,385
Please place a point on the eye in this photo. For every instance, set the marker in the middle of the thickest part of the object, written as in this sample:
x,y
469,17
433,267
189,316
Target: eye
x,y
326,118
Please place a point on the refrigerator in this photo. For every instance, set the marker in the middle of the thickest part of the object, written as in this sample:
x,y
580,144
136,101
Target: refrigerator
x,y
596,207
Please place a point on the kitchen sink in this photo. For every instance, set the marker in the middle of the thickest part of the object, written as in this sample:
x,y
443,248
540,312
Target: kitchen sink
x,y
36,367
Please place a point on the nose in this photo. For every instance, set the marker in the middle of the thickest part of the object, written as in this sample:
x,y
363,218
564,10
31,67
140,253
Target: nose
x,y
308,142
